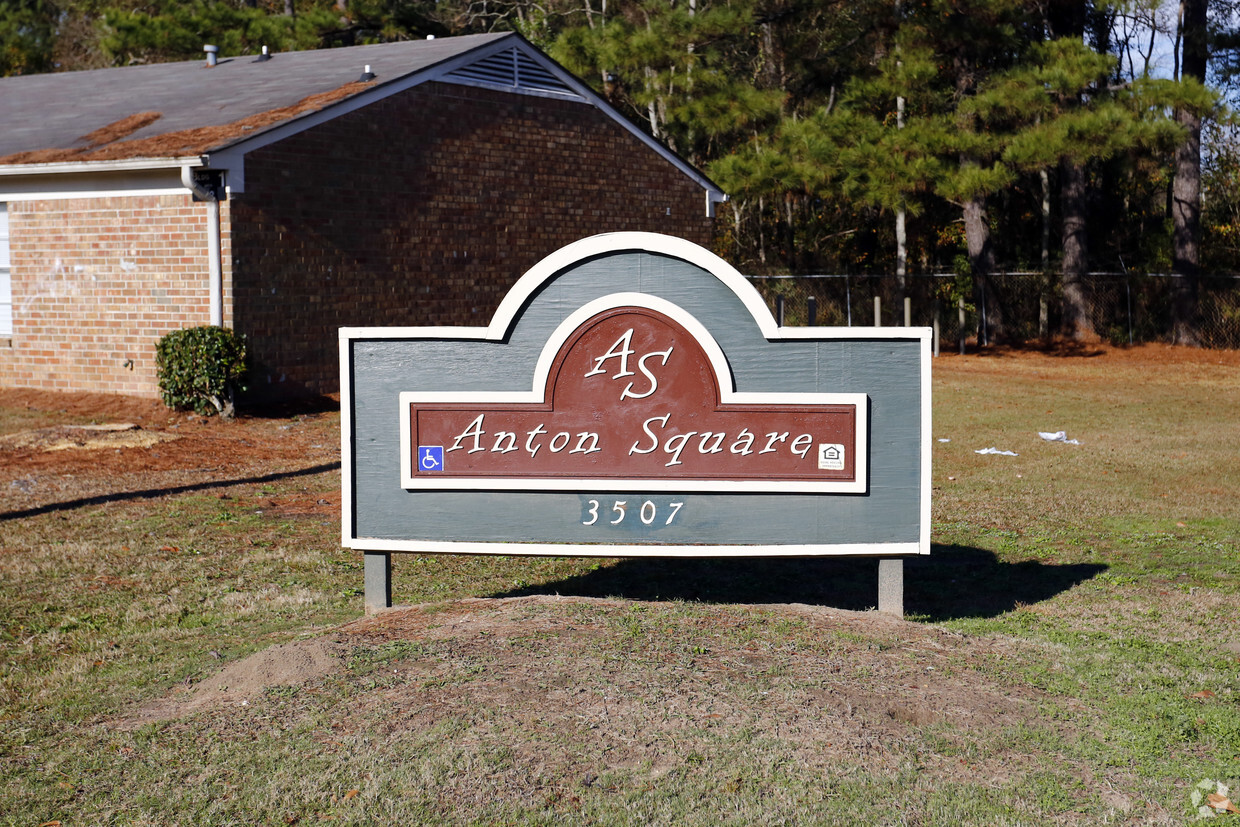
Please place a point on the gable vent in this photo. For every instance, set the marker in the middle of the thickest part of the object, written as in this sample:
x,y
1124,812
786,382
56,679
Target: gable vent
x,y
512,69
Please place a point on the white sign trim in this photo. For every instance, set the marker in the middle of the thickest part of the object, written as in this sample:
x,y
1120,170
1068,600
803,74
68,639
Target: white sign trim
x,y
498,329
635,549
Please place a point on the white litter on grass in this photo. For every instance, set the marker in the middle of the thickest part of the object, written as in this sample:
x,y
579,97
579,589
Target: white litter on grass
x,y
993,450
944,439
1058,436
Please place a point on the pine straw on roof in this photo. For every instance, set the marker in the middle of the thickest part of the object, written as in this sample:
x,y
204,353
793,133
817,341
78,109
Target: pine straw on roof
x,y
107,144
117,130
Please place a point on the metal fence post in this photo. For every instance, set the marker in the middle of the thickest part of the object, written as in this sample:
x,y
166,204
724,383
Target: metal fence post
x,y
848,297
1044,309
1128,290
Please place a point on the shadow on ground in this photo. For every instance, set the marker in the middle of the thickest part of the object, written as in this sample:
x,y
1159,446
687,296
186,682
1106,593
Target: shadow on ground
x,y
156,493
953,582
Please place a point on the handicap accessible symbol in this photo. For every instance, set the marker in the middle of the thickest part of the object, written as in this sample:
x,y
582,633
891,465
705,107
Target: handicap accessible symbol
x,y
430,457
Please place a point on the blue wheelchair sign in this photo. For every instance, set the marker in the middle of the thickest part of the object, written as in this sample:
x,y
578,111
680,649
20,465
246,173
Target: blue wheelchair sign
x,y
430,458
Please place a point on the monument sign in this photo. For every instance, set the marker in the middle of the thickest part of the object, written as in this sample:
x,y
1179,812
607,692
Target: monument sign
x,y
633,397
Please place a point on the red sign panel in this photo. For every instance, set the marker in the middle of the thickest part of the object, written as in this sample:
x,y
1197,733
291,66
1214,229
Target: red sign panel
x,y
631,396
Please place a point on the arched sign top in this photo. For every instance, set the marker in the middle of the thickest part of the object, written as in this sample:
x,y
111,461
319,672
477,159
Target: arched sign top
x,y
608,243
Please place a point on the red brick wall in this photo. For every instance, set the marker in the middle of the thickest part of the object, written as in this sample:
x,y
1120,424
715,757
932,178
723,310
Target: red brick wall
x,y
425,209
96,282
421,209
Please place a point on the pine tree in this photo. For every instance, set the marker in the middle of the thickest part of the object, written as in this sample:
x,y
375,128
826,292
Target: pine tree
x,y
27,34
987,103
1186,190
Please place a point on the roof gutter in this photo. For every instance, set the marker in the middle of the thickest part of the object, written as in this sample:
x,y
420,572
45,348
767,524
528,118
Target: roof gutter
x,y
214,253
123,165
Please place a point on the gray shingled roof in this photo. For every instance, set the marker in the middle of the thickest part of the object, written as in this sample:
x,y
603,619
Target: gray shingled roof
x,y
54,111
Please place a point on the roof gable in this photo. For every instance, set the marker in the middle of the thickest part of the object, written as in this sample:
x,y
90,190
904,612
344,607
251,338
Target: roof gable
x,y
512,70
190,114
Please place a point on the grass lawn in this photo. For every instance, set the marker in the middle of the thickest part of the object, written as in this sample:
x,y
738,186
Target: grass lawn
x,y
1071,653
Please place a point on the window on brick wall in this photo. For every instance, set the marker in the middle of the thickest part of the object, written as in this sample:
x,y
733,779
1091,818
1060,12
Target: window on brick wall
x,y
6,281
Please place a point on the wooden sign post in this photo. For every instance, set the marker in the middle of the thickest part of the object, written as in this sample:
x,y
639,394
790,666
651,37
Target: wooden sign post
x,y
634,397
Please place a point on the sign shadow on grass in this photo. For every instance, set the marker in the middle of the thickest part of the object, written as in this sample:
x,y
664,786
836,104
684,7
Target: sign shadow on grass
x,y
953,582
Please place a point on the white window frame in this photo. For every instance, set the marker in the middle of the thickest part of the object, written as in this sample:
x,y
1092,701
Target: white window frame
x,y
6,276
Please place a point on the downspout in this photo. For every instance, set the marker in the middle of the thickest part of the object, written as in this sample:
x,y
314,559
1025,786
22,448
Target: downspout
x,y
214,254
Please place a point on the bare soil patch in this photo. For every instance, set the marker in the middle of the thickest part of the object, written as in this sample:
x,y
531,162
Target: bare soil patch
x,y
85,437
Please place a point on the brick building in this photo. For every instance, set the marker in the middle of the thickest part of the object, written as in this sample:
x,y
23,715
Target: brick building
x,y
394,184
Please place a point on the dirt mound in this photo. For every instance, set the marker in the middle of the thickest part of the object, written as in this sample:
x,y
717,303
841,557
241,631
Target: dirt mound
x,y
581,666
587,668
288,664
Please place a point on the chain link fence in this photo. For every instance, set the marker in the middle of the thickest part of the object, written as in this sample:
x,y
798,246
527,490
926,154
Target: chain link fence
x,y
1126,308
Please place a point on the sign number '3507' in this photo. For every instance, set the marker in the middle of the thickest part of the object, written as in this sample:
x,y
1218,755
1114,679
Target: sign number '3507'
x,y
648,512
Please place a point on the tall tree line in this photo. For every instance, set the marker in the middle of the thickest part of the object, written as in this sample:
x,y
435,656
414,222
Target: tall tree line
x,y
854,136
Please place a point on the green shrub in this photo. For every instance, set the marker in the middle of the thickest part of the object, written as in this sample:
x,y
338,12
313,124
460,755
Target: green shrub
x,y
201,368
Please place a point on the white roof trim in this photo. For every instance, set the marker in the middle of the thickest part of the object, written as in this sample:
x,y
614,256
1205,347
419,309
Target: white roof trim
x,y
124,165
65,195
62,181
